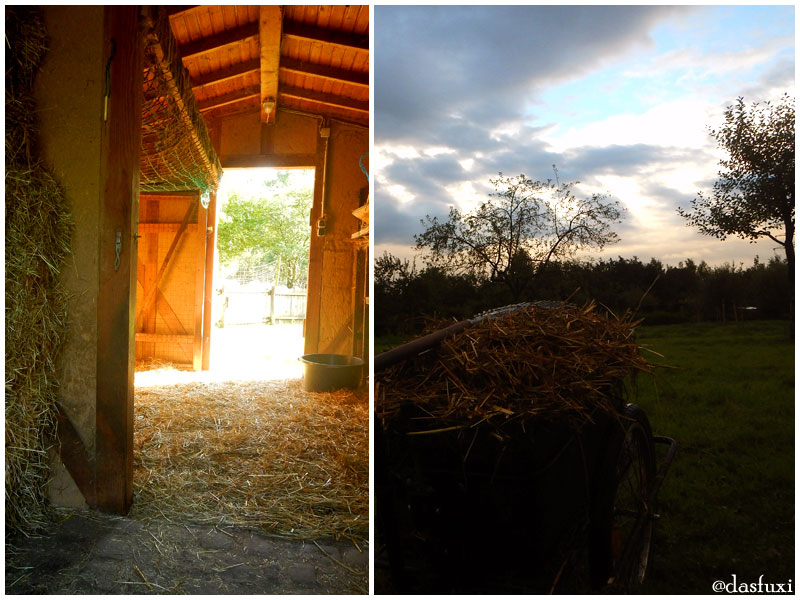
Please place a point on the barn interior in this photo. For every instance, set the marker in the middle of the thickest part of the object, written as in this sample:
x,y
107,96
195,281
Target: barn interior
x,y
130,115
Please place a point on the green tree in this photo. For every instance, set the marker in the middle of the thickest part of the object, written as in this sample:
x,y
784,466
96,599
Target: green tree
x,y
267,226
524,225
753,196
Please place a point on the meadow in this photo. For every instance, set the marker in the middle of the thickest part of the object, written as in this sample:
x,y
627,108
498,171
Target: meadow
x,y
727,505
725,393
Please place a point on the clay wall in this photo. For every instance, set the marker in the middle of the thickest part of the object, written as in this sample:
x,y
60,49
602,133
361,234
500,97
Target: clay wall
x,y
69,95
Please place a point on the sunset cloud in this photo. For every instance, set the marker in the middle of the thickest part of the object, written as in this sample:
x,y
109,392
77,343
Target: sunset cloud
x,y
619,98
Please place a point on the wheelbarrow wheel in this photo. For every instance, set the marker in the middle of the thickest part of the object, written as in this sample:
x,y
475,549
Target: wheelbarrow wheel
x,y
623,515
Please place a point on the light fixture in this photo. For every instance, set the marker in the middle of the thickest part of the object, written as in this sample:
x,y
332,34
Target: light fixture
x,y
269,105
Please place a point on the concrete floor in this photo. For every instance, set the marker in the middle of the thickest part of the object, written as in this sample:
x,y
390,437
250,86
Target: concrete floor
x,y
91,553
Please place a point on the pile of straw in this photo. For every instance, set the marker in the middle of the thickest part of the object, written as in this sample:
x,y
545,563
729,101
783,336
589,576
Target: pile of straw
x,y
38,230
533,363
265,454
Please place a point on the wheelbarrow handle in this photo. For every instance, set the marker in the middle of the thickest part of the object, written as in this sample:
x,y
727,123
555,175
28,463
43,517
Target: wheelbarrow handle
x,y
409,349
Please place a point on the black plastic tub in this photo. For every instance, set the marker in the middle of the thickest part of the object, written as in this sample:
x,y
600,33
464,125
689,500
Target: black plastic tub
x,y
326,372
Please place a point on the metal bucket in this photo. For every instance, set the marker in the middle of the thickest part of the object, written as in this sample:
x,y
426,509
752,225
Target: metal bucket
x,y
325,372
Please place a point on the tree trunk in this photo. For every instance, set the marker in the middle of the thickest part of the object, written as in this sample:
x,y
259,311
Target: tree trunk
x,y
788,246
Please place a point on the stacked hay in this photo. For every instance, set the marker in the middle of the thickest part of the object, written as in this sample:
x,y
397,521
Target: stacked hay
x,y
37,242
533,363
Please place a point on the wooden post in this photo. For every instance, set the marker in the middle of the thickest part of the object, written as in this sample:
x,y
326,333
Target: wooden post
x,y
199,287
311,329
116,302
360,319
208,294
272,305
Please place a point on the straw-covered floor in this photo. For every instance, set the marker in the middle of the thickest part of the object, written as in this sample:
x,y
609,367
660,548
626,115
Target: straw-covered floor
x,y
535,362
260,454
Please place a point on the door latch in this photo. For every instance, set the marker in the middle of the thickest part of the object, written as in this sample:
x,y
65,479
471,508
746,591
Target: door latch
x,y
118,249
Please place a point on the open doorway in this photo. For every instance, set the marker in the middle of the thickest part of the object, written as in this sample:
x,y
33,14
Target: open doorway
x,y
243,444
260,234
261,274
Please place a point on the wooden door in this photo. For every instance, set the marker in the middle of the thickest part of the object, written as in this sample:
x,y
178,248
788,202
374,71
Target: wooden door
x,y
171,278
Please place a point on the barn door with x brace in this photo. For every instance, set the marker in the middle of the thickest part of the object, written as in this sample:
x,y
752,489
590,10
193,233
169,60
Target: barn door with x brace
x,y
171,270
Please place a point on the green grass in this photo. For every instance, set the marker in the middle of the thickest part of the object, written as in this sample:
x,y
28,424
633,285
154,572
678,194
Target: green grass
x,y
727,505
387,342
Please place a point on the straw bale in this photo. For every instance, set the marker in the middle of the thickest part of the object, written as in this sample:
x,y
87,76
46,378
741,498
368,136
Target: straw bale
x,y
38,231
26,45
260,454
546,363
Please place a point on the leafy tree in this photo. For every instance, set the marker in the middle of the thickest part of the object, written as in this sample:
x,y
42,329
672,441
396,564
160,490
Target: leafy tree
x,y
390,270
524,225
267,226
753,196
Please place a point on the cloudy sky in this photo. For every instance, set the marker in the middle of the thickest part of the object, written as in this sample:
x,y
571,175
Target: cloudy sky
x,y
619,98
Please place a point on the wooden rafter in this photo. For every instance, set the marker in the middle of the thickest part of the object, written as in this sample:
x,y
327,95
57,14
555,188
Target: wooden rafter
x,y
331,73
326,36
246,106
269,27
214,43
216,77
237,96
276,161
327,99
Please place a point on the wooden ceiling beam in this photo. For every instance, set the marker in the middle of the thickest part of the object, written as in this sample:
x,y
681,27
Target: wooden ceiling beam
x,y
225,99
270,24
215,77
327,99
245,106
276,161
325,36
332,73
210,44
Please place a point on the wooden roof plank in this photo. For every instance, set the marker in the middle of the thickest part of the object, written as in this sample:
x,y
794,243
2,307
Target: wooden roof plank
x,y
232,72
328,99
212,44
216,20
325,36
238,95
269,37
306,68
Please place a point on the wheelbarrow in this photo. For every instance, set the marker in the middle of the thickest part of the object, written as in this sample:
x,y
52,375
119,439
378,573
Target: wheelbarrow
x,y
554,510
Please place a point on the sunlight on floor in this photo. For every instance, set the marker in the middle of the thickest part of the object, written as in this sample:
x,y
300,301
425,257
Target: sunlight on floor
x,y
238,353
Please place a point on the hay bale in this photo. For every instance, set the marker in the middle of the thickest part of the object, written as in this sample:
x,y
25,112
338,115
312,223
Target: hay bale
x,y
38,231
26,46
534,363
